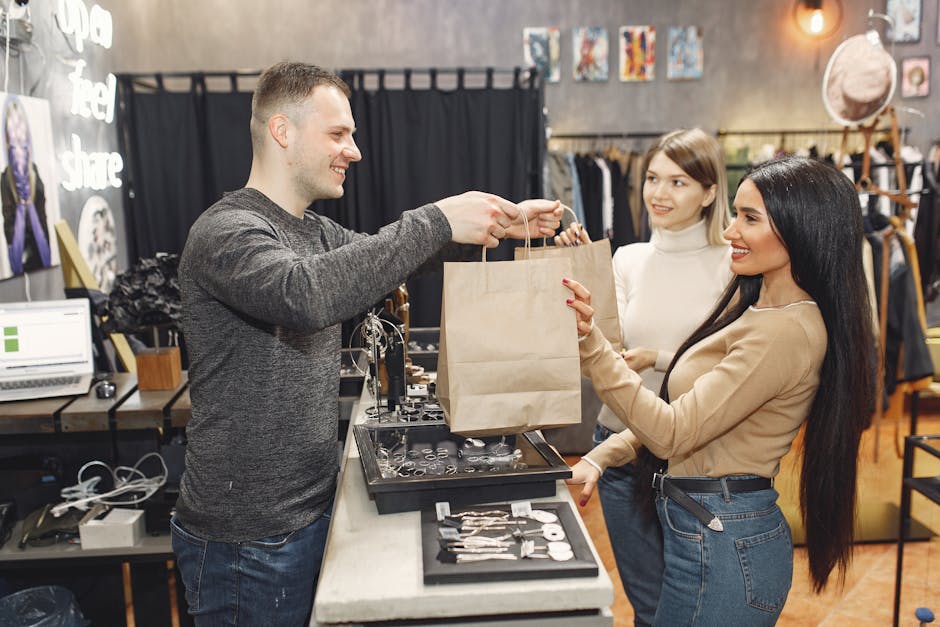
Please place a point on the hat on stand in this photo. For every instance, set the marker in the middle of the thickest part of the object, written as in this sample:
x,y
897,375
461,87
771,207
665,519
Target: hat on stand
x,y
859,81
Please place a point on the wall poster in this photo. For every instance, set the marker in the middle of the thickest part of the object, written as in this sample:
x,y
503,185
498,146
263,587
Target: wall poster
x,y
28,187
905,16
637,53
542,49
685,56
589,45
97,241
915,77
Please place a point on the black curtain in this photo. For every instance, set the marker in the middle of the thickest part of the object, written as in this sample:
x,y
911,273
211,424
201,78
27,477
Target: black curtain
x,y
419,144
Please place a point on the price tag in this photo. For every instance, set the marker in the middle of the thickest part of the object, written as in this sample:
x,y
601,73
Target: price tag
x,y
521,509
443,510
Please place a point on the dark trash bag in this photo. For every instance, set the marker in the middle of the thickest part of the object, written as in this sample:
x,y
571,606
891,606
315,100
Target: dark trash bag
x,y
44,606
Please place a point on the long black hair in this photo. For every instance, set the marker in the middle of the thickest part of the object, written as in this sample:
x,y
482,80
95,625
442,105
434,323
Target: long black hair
x,y
815,212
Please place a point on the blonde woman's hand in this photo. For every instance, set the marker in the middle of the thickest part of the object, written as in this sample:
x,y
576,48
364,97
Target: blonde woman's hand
x,y
583,473
639,358
574,235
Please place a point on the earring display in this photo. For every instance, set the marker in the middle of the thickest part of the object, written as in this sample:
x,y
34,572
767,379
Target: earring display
x,y
410,466
504,542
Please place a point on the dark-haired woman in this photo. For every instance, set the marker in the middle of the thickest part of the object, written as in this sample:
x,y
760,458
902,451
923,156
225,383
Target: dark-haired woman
x,y
788,345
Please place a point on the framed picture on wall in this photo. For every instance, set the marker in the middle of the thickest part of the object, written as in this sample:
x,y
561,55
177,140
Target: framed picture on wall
x,y
637,53
905,20
29,187
938,22
685,55
542,49
589,46
915,77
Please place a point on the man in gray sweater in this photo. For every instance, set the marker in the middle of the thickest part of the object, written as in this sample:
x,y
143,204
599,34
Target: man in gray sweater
x,y
265,286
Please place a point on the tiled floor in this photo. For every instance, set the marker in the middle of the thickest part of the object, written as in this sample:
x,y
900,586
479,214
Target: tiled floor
x,y
868,595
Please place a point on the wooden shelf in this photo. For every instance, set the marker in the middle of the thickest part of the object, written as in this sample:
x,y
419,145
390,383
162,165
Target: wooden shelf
x,y
130,408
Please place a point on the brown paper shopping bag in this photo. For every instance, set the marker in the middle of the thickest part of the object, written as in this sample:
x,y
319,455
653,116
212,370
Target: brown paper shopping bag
x,y
508,358
592,267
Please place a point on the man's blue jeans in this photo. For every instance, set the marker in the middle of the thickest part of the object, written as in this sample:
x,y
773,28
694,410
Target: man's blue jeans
x,y
268,581
637,540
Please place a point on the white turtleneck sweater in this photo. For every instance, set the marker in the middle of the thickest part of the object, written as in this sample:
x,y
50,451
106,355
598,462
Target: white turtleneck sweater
x,y
665,289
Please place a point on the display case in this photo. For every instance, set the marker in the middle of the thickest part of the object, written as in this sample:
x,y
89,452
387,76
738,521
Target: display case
x,y
518,547
411,466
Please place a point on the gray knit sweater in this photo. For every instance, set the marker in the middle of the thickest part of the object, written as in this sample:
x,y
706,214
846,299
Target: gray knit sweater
x,y
263,296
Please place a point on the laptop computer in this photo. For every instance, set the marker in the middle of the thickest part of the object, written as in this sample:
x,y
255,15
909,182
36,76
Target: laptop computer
x,y
45,349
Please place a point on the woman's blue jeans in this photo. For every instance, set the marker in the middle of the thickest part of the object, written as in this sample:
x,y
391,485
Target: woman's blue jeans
x,y
269,581
739,576
636,539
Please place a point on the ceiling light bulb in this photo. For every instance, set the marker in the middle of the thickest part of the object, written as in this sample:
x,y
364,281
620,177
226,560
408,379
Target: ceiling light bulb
x,y
816,22
818,19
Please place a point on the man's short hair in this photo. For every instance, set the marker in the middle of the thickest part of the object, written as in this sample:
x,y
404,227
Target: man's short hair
x,y
284,85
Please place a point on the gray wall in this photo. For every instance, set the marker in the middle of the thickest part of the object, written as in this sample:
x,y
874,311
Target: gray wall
x,y
760,72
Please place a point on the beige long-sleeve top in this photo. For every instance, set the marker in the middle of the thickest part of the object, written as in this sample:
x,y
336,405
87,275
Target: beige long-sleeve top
x,y
738,397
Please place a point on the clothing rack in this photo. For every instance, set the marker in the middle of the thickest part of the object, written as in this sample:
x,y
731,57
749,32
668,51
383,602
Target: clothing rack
x,y
593,142
155,80
784,132
612,135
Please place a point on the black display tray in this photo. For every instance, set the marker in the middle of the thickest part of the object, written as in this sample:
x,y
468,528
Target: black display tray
x,y
439,569
453,468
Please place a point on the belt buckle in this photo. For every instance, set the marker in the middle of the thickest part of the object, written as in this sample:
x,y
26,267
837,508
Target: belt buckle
x,y
658,479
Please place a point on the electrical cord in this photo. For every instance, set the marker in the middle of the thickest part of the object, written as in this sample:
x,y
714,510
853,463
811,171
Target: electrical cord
x,y
82,494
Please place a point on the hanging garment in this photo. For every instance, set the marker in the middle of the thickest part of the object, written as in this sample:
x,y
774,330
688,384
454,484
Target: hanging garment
x,y
591,189
905,345
623,219
559,183
607,199
927,236
577,198
641,225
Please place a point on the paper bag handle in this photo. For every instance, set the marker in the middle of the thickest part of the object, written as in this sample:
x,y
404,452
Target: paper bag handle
x,y
528,240
573,215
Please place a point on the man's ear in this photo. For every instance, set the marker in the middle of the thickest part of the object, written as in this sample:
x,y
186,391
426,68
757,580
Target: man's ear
x,y
278,127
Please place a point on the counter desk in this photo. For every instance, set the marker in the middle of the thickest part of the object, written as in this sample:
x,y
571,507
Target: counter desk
x,y
372,570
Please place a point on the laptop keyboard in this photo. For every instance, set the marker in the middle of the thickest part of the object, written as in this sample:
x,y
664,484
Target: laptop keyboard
x,y
39,383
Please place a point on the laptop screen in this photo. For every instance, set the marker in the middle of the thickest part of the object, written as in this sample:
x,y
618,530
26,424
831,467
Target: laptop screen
x,y
45,338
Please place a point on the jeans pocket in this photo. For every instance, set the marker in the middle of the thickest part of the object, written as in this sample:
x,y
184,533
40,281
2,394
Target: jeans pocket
x,y
679,521
190,551
271,543
767,565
